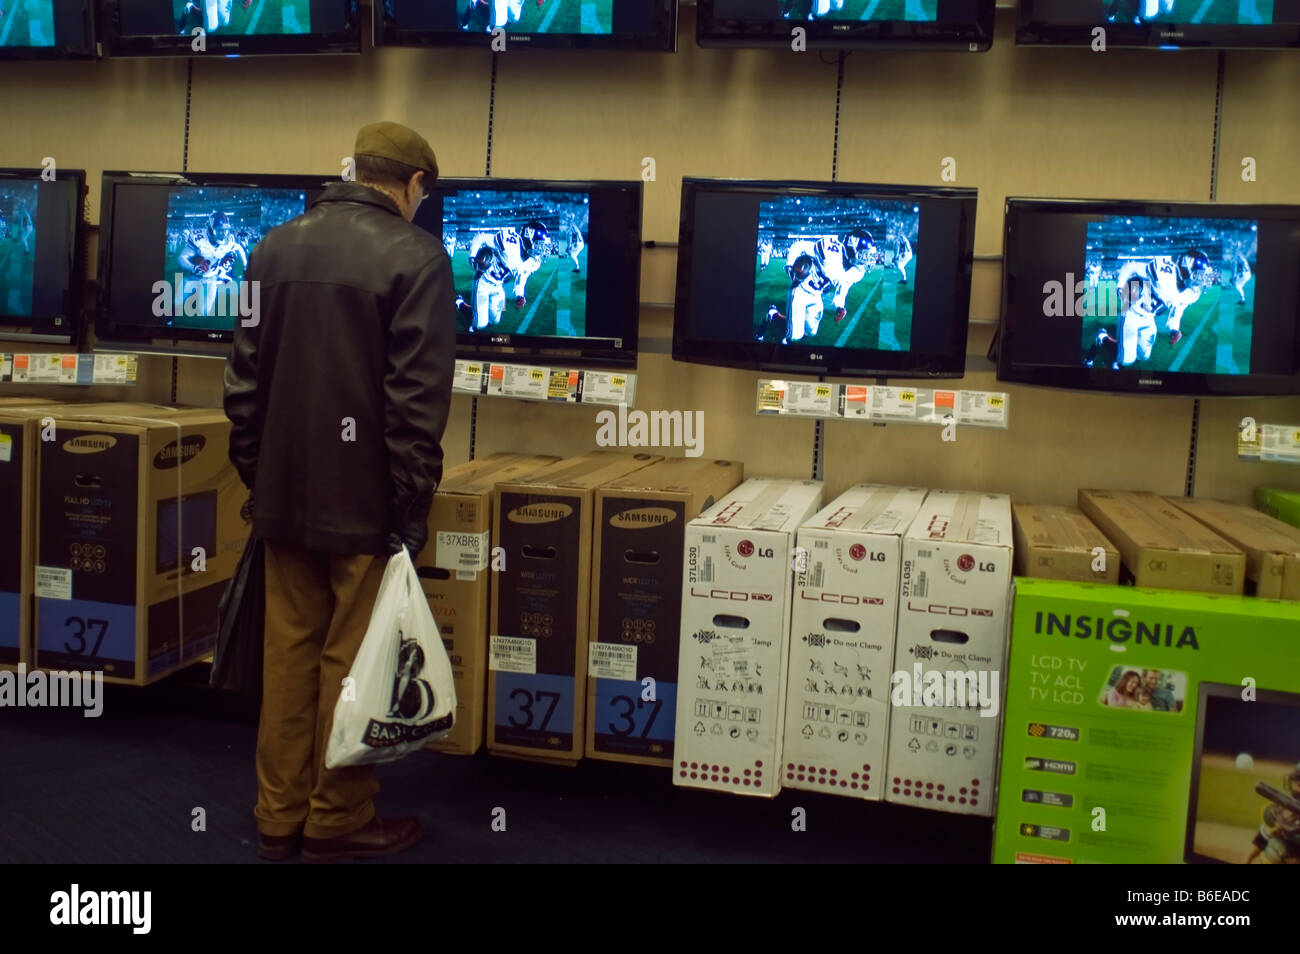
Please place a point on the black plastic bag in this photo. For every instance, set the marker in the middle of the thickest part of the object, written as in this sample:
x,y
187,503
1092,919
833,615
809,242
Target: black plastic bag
x,y
237,660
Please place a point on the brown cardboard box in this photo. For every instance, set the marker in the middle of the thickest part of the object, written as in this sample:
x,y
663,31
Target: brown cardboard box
x,y
636,603
537,646
138,531
1272,547
1162,546
455,572
1060,543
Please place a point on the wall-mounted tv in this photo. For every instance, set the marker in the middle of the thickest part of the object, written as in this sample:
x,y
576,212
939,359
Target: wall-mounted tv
x,y
543,270
41,263
173,248
47,29
1162,24
230,27
829,278
1162,297
563,24
848,24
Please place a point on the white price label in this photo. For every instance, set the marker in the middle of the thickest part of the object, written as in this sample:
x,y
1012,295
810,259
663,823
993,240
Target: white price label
x,y
468,378
54,583
520,381
810,398
461,551
513,654
47,369
611,661
1279,442
982,407
602,387
893,403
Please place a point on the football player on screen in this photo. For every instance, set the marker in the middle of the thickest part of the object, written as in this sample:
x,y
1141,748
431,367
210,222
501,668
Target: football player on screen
x,y
208,261
902,255
498,257
471,8
816,266
1240,275
575,246
449,243
1170,284
764,252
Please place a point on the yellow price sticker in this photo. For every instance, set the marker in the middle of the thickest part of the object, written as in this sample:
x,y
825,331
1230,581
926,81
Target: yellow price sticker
x,y
536,374
1295,437
474,369
618,381
995,402
907,396
822,391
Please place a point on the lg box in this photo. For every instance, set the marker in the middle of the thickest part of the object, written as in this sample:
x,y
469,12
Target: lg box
x,y
953,618
735,635
842,632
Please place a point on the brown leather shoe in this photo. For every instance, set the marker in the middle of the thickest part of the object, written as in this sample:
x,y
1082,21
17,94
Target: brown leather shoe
x,y
378,838
278,847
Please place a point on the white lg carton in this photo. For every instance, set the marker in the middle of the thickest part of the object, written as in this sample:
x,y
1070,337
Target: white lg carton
x,y
848,562
735,636
953,616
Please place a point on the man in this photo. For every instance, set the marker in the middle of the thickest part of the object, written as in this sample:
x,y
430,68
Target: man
x,y
1162,697
338,392
208,260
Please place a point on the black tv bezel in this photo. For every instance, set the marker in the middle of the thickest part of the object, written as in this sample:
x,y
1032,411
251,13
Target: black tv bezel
x,y
116,335
662,40
528,349
89,51
1178,383
976,37
1155,35
804,359
117,44
42,328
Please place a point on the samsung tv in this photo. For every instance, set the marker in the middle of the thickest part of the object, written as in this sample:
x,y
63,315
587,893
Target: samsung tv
x,y
1160,297
825,278
173,249
562,24
544,271
47,30
965,25
230,27
1162,24
42,265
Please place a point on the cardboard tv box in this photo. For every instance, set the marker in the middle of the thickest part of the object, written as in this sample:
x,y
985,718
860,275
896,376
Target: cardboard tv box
x,y
138,532
636,603
735,636
1060,543
1283,504
953,619
455,572
537,643
1272,547
842,631
1162,546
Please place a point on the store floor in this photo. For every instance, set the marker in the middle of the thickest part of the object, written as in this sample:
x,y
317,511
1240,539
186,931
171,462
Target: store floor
x,y
123,788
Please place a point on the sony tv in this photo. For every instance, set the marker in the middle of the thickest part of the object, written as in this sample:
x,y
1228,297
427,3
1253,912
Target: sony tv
x,y
41,254
543,270
959,25
47,30
825,278
1161,24
230,27
505,24
1173,298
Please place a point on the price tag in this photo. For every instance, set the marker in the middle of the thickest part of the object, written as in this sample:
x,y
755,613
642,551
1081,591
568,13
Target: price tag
x,y
1278,442
46,369
54,583
893,404
856,401
512,654
563,386
468,378
611,661
520,381
21,368
987,408
771,397
6,367
601,387
809,399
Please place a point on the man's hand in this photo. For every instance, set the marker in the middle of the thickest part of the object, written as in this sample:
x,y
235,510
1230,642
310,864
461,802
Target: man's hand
x,y
396,542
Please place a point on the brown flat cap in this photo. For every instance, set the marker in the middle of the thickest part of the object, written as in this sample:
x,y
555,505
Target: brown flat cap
x,y
398,143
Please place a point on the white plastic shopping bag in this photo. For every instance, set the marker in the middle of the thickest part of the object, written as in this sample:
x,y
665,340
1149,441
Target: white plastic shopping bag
x,y
401,695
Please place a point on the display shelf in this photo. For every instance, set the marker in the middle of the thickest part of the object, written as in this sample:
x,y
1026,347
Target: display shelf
x,y
1271,442
535,383
69,368
881,404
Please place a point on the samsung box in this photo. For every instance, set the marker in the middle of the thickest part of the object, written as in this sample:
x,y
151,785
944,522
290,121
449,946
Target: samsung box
x,y
636,603
842,630
455,572
735,635
138,531
537,650
1283,504
953,619
1162,546
1272,547
1060,543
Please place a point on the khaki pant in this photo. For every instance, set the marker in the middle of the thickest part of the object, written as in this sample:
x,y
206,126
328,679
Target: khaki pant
x,y
317,609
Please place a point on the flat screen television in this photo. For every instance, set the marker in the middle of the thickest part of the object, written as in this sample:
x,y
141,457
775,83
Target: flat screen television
x,y
230,27
544,270
829,278
848,24
1161,297
41,255
562,24
173,248
47,30
1162,24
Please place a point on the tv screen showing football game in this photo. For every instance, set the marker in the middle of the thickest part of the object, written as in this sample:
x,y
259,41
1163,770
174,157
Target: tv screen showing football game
x,y
46,29
845,24
541,268
818,276
1202,300
232,27
1245,795
623,24
1205,24
176,248
39,285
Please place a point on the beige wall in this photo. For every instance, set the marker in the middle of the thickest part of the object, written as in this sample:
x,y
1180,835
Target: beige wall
x,y
1029,121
